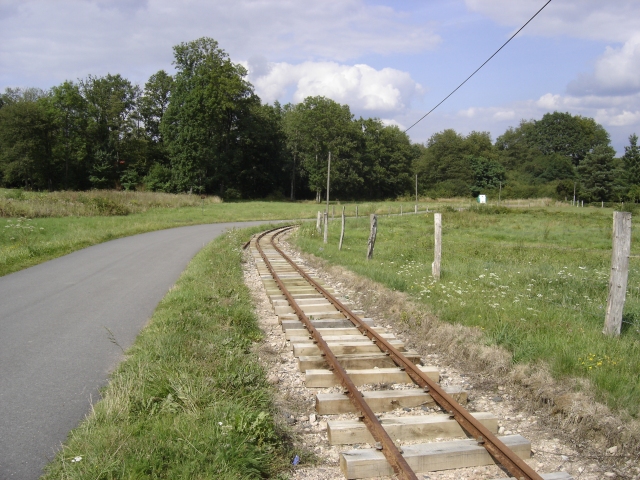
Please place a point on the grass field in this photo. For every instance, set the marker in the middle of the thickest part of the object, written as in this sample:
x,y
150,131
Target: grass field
x,y
40,226
191,399
535,281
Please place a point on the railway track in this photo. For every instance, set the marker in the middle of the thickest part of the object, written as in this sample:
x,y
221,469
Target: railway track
x,y
335,345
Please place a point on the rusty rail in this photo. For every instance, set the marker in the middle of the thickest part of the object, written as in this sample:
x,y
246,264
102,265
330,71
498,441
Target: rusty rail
x,y
389,449
496,448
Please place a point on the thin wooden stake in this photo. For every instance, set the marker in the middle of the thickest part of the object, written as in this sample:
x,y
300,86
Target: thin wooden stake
x,y
372,236
437,248
356,211
619,272
342,230
326,226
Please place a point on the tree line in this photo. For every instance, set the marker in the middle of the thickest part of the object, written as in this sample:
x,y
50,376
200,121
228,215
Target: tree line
x,y
204,130
558,156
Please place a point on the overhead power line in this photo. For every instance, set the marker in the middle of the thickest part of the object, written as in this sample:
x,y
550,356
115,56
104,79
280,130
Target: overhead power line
x,y
477,69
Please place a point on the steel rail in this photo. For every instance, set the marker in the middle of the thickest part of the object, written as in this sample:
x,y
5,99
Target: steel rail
x,y
496,448
389,449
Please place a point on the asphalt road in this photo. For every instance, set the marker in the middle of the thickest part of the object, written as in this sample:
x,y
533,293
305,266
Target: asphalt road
x,y
55,346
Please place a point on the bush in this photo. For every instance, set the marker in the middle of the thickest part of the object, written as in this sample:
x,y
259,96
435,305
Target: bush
x,y
158,179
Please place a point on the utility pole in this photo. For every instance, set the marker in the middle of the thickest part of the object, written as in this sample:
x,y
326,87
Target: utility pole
x,y
328,175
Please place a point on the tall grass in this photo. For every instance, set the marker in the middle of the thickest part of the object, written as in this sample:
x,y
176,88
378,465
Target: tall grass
x,y
535,281
19,203
191,399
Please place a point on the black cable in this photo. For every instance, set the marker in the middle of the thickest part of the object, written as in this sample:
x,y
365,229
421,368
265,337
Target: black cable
x,y
476,71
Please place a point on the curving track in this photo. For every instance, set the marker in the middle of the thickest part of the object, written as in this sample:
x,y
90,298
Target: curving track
x,y
335,345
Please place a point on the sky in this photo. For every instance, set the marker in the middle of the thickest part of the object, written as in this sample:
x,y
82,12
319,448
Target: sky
x,y
393,60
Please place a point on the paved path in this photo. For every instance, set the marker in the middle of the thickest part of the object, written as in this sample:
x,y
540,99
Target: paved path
x,y
55,350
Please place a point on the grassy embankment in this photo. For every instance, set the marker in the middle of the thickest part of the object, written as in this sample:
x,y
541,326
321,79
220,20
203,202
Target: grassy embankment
x,y
535,281
191,399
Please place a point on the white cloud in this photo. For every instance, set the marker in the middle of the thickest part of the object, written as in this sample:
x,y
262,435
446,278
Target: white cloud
x,y
504,115
469,112
43,42
616,72
391,122
361,86
593,19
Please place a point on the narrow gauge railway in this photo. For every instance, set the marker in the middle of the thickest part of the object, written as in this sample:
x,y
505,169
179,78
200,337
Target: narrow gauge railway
x,y
335,345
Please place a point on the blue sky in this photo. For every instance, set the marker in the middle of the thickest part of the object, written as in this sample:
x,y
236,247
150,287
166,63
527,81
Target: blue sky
x,y
393,60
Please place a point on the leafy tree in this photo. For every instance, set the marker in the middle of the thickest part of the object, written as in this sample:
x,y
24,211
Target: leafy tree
x,y
631,159
445,167
326,126
487,174
71,147
154,103
113,126
387,158
27,133
566,134
200,125
291,118
598,172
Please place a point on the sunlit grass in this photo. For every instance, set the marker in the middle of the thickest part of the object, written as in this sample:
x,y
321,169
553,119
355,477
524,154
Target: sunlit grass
x,y
534,280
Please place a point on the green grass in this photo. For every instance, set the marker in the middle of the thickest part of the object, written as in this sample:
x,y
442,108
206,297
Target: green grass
x,y
191,399
62,223
535,281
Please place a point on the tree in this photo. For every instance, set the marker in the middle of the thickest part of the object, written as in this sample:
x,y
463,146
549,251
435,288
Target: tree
x,y
631,159
445,167
387,158
598,173
566,134
27,137
294,141
71,147
200,126
487,174
154,103
113,128
326,126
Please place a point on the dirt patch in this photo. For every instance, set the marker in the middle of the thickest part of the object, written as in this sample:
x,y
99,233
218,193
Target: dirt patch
x,y
569,431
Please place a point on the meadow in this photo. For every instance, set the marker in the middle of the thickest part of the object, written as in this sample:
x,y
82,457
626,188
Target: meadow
x,y
38,226
533,280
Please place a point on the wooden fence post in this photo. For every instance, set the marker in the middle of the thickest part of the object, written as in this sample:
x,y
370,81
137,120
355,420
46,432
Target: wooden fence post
x,y
415,208
341,231
326,225
400,210
318,221
619,272
437,248
333,211
372,236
